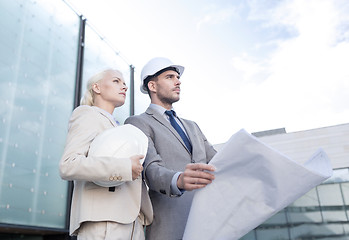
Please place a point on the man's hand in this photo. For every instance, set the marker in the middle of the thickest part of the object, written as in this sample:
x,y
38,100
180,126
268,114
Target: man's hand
x,y
195,176
137,167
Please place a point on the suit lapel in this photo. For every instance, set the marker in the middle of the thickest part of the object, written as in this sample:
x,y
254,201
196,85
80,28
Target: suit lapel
x,y
189,131
111,120
163,121
191,134
167,124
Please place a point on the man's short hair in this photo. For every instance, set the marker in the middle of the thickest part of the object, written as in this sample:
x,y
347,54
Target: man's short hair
x,y
149,78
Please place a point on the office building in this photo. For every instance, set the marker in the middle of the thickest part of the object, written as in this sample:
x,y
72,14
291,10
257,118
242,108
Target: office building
x,y
48,51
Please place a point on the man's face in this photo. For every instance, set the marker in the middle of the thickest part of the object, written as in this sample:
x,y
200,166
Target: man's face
x,y
167,87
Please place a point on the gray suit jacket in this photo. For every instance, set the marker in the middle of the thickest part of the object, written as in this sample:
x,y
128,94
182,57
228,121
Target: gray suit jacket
x,y
167,155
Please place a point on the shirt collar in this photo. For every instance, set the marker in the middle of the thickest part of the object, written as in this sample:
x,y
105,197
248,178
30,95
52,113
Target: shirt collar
x,y
161,110
107,114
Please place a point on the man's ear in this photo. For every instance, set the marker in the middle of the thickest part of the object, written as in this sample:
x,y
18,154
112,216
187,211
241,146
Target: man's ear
x,y
152,86
96,88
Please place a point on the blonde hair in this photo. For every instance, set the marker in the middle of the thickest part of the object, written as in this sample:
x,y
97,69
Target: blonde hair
x,y
88,98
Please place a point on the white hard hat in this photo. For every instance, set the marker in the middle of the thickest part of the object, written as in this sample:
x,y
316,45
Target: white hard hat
x,y
155,65
120,142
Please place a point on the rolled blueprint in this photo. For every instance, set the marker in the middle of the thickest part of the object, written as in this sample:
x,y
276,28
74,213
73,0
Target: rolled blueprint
x,y
252,182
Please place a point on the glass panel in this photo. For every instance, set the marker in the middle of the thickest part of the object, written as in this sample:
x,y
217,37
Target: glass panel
x,y
320,213
303,217
313,231
332,202
330,195
98,56
272,234
37,70
346,228
345,190
249,236
305,209
277,219
310,199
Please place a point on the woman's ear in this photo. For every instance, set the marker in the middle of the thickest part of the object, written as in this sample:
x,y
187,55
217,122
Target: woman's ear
x,y
96,88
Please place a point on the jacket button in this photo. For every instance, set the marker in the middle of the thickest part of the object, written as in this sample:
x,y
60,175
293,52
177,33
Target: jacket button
x,y
119,178
111,178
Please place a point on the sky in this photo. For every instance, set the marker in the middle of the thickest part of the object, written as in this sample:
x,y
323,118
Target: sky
x,y
252,64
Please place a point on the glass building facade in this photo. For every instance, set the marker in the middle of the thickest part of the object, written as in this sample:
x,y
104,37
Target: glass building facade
x,y
47,53
322,213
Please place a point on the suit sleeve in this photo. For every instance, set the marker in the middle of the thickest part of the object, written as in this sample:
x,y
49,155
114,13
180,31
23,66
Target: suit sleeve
x,y
75,164
157,176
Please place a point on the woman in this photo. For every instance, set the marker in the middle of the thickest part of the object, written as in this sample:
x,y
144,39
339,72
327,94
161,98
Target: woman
x,y
100,212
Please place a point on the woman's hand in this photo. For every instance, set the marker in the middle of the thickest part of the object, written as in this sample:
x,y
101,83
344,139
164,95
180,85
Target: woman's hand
x,y
137,167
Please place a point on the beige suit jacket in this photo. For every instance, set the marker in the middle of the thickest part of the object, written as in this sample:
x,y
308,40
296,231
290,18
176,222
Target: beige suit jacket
x,y
91,202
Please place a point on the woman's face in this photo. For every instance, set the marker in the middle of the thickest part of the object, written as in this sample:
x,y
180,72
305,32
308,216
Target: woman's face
x,y
112,88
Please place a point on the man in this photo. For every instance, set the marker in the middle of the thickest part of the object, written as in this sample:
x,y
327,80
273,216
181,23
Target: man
x,y
176,162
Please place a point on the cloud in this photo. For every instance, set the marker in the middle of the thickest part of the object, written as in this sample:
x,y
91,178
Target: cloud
x,y
217,16
251,68
303,82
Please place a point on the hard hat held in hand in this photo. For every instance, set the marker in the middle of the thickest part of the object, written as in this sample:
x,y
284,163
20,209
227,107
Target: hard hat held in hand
x,y
119,142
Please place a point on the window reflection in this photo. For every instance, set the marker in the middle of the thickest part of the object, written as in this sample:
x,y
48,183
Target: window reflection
x,y
38,62
37,75
99,56
321,213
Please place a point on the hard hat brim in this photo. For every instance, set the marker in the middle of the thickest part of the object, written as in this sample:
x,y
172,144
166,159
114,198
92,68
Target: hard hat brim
x,y
178,67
